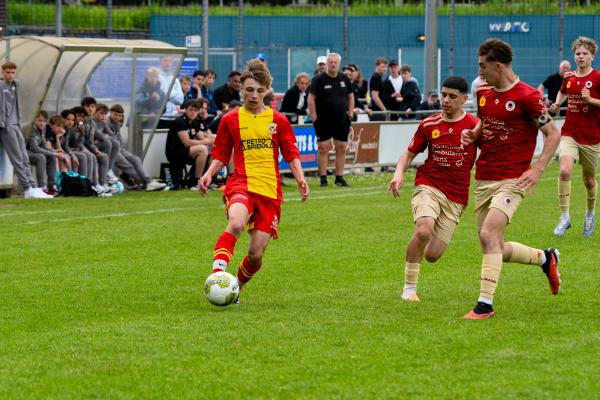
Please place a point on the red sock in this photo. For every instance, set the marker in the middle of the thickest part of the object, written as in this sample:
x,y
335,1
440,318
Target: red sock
x,y
223,251
246,271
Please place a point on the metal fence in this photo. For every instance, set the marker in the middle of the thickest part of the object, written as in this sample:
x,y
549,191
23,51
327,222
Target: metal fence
x,y
438,38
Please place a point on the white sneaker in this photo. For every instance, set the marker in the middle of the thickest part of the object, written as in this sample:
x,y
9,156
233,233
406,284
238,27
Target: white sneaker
x,y
194,188
36,193
105,195
112,189
99,188
155,185
111,177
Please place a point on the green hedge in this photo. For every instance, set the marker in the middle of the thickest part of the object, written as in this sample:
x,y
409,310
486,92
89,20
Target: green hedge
x,y
137,18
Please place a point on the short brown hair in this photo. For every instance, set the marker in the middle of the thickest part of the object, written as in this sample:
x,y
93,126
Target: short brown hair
x,y
42,113
496,50
381,60
9,65
405,68
102,108
57,120
258,71
192,104
586,42
117,108
185,78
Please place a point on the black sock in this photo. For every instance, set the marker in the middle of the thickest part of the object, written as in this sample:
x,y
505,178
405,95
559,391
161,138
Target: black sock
x,y
546,266
339,178
482,308
323,178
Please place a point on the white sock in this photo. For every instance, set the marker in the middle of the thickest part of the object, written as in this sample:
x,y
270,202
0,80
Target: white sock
x,y
484,300
409,288
589,213
219,265
565,216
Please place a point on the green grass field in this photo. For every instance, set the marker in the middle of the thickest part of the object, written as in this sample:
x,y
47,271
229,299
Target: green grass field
x,y
102,298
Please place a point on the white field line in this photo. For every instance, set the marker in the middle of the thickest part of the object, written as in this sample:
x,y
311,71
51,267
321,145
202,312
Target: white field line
x,y
170,210
352,192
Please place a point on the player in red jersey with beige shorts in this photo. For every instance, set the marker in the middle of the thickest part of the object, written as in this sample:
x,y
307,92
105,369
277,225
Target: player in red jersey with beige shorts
x,y
511,113
255,134
442,182
580,134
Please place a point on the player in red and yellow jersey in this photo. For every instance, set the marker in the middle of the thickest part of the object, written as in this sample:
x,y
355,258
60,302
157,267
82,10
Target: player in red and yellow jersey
x,y
442,182
511,113
255,134
580,134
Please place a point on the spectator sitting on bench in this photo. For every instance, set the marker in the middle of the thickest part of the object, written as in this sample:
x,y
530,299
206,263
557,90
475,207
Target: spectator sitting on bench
x,y
183,145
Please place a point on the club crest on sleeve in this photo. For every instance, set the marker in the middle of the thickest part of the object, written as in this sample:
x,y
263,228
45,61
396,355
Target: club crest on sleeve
x,y
568,84
510,105
507,200
273,129
482,101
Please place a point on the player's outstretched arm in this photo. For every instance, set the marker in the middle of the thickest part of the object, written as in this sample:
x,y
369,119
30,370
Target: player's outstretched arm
x,y
296,168
560,98
530,177
398,180
206,179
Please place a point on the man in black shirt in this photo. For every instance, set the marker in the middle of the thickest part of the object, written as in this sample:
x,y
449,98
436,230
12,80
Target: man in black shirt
x,y
553,83
331,107
229,91
376,89
183,146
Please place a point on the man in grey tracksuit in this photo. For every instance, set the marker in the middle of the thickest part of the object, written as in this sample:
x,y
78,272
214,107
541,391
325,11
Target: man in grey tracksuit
x,y
11,136
40,156
126,159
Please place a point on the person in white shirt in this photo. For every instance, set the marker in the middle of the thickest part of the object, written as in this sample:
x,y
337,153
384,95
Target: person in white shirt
x,y
174,97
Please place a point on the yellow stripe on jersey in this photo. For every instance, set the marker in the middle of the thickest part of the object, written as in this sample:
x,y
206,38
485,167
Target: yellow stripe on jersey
x,y
256,138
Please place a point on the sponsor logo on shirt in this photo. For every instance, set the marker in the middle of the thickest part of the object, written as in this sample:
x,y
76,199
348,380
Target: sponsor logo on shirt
x,y
256,144
327,87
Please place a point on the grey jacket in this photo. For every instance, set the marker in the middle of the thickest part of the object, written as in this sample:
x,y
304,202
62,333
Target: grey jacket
x,y
37,142
3,87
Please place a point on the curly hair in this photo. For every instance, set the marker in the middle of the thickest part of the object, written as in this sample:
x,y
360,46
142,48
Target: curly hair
x,y
257,70
586,42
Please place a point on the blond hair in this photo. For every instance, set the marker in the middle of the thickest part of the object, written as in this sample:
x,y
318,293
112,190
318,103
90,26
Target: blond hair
x,y
586,42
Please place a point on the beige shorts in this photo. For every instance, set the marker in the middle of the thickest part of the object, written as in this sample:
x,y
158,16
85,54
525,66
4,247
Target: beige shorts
x,y
431,202
586,154
503,195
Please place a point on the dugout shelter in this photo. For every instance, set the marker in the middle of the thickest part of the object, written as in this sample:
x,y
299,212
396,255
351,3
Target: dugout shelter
x,y
55,73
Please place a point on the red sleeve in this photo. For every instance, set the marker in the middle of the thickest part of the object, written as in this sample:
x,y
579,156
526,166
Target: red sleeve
x,y
535,109
419,141
287,139
224,141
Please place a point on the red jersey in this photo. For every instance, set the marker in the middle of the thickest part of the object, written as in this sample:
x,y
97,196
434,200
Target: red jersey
x,y
448,166
511,118
583,119
256,141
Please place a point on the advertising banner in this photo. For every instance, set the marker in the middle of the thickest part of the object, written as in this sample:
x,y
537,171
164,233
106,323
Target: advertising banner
x,y
307,144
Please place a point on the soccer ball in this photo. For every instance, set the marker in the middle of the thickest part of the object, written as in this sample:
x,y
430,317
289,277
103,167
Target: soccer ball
x,y
221,288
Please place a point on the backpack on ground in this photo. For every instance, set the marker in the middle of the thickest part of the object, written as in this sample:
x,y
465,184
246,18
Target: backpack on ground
x,y
72,184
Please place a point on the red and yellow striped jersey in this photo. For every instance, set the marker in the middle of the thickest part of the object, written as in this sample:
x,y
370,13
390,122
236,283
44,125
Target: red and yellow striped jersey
x,y
256,141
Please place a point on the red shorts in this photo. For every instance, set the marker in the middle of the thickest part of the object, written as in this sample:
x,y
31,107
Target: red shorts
x,y
265,212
